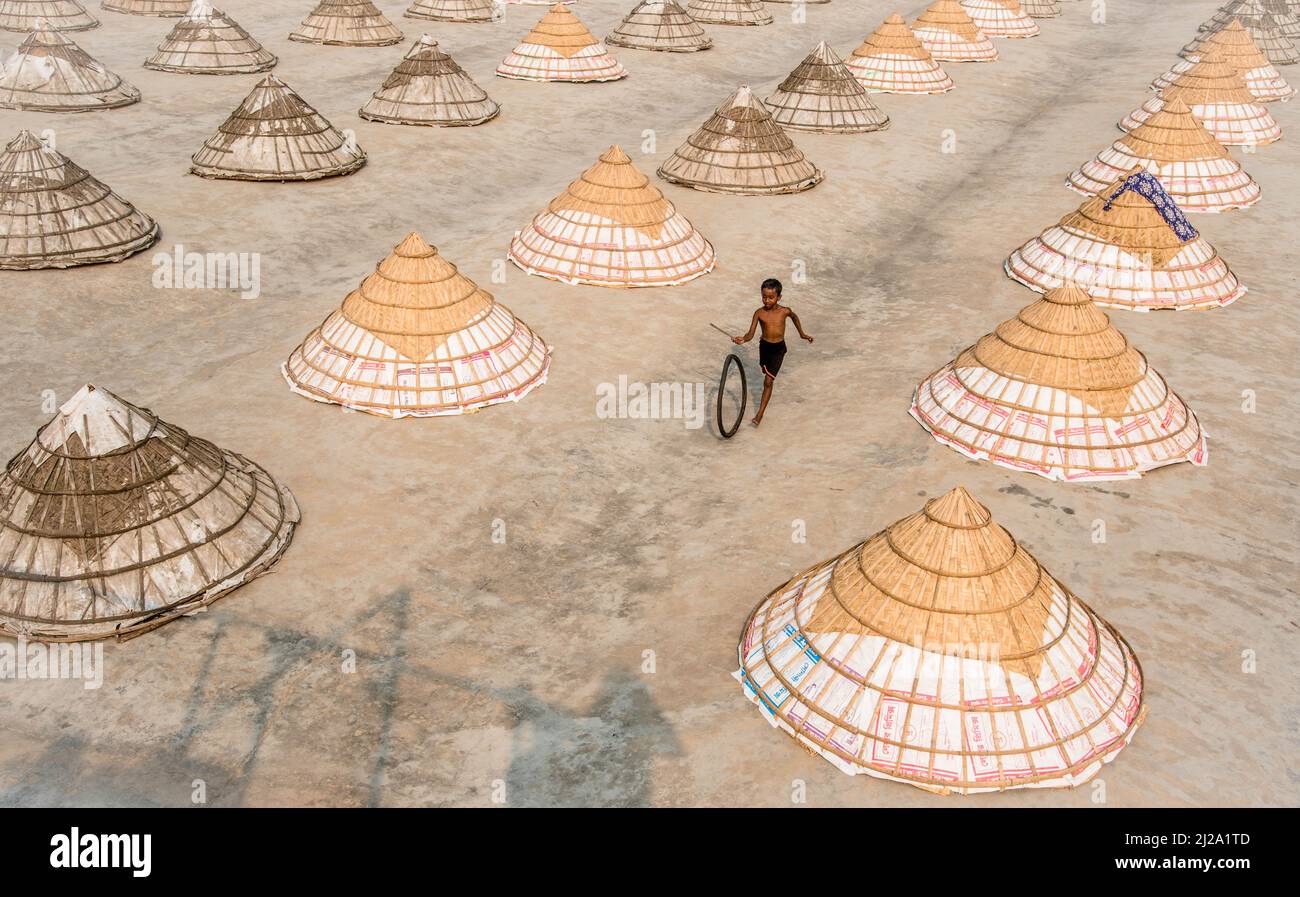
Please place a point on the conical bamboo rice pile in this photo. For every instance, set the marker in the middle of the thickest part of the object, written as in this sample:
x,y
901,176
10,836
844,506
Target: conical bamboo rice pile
x,y
347,23
1058,391
729,12
560,48
1218,97
1255,12
418,339
114,522
169,8
893,60
950,34
50,73
821,94
54,214
456,10
1263,29
1195,169
1000,18
740,149
1040,9
208,42
1128,247
275,135
612,228
58,15
1236,48
941,654
429,88
660,25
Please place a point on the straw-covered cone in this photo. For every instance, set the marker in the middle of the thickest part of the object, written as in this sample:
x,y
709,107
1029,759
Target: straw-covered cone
x,y
170,8
114,522
1000,18
729,12
821,94
1218,97
54,214
456,10
50,73
275,135
347,23
1058,391
660,25
612,228
429,88
1255,11
1128,247
951,35
560,48
1196,170
740,149
208,42
418,339
940,653
1040,9
59,15
893,60
1236,47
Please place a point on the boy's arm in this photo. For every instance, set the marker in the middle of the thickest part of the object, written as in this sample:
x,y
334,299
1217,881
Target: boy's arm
x,y
797,326
753,325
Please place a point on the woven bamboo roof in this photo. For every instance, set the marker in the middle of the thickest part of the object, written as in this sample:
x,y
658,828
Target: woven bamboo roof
x,y
1217,95
659,25
893,60
208,42
821,94
418,338
54,214
1253,12
58,15
940,653
347,23
729,12
950,34
171,8
611,227
1264,30
560,48
1235,46
1000,18
429,88
113,522
50,73
1040,9
455,10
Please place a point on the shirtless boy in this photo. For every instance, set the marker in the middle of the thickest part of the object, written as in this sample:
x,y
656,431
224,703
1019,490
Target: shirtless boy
x,y
771,348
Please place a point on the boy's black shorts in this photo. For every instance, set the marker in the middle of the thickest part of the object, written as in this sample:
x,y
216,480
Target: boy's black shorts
x,y
770,356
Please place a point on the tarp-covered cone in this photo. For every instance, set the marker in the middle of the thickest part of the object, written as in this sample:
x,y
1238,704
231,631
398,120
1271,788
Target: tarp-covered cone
x,y
114,522
418,339
1219,98
951,35
347,23
940,653
1255,11
612,228
149,7
1235,46
1000,18
1196,169
1264,31
275,135
729,12
208,42
560,48
821,94
1040,9
59,15
893,60
660,25
740,149
53,214
456,10
1128,247
1059,392
429,88
50,73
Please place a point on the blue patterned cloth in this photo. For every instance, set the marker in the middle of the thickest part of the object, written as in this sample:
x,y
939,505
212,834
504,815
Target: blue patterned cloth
x,y
1146,185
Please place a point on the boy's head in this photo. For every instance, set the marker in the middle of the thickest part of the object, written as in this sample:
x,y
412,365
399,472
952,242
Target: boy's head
x,y
771,290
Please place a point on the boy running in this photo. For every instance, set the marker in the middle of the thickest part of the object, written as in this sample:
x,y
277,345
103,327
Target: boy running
x,y
771,348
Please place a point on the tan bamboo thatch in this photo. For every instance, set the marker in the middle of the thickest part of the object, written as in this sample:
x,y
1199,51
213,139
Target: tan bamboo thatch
x,y
1040,9
729,12
893,60
950,34
114,522
1218,96
612,228
50,73
347,23
1263,29
275,135
1255,12
54,214
208,42
1235,46
429,88
560,48
168,8
456,10
1058,391
418,339
1196,169
659,25
940,653
821,94
1128,247
1000,18
59,15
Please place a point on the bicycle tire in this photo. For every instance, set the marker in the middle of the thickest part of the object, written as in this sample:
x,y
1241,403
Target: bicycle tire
x,y
726,432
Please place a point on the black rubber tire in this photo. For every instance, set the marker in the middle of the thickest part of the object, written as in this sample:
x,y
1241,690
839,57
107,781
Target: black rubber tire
x,y
722,392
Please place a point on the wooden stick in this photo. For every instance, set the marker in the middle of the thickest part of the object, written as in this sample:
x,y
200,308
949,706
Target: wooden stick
x,y
720,330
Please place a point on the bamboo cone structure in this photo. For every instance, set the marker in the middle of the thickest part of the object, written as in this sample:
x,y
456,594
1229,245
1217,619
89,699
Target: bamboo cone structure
x,y
347,23
429,88
1040,9
1255,12
1129,247
418,339
114,522
58,15
456,10
951,35
537,2
729,12
941,654
660,25
1000,18
1218,97
1235,46
54,214
167,8
1263,28
893,60
612,228
275,135
208,42
1195,169
560,48
50,73
1058,391
740,149
821,94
